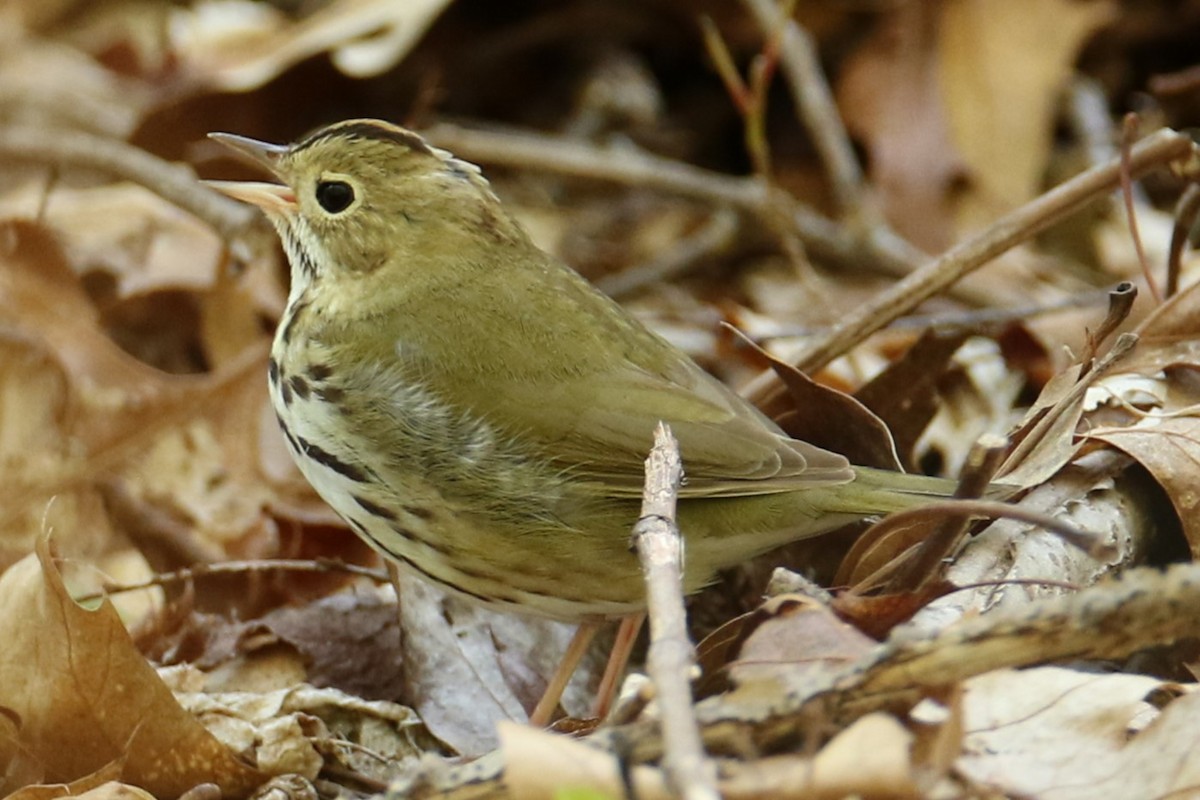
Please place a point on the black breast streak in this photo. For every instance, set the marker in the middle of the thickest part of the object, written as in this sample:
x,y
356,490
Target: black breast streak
x,y
374,508
298,385
325,458
289,325
418,512
330,394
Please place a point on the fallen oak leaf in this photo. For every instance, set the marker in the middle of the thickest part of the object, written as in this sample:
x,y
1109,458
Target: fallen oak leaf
x,y
87,699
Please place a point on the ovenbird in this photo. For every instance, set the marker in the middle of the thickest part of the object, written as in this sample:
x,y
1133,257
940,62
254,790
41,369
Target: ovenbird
x,y
479,413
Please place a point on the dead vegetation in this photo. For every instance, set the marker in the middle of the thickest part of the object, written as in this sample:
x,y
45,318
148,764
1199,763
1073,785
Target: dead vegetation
x,y
925,206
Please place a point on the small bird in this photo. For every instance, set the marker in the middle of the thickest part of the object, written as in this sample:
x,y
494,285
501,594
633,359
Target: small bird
x,y
479,413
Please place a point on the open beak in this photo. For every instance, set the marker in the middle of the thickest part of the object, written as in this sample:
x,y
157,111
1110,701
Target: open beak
x,y
270,197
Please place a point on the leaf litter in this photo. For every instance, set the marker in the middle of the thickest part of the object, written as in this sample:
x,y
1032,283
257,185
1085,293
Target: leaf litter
x,y
134,427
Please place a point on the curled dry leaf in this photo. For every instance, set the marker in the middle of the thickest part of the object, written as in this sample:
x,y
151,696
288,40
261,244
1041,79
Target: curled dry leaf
x,y
469,667
798,636
301,729
1068,734
873,757
1001,68
240,45
85,697
1156,398
189,441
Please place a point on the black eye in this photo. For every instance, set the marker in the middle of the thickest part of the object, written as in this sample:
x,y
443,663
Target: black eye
x,y
334,196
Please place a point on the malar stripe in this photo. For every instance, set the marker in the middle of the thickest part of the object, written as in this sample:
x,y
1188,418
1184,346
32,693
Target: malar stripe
x,y
325,458
366,130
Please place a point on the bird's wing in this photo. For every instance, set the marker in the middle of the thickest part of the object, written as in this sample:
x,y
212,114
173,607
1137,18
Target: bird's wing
x,y
601,427
533,348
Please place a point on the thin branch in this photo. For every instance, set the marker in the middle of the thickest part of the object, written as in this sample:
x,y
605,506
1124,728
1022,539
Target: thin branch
x,y
671,659
197,571
173,182
814,102
1128,136
963,259
1186,211
822,237
715,235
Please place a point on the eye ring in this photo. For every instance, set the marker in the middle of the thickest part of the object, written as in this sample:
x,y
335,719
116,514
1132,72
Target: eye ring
x,y
334,196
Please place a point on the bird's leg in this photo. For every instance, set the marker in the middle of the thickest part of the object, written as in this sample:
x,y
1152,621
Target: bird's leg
x,y
558,683
618,659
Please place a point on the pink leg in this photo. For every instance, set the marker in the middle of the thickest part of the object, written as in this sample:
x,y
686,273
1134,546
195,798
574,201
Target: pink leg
x,y
617,661
576,650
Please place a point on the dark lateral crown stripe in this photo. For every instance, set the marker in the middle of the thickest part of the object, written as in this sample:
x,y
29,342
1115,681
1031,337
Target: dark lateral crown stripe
x,y
367,130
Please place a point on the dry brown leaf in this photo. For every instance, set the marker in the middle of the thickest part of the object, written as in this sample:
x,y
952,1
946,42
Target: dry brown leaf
x,y
799,637
859,435
1157,401
1169,448
1002,65
107,790
904,396
349,641
889,97
196,438
240,45
468,667
301,730
1059,734
86,698
873,757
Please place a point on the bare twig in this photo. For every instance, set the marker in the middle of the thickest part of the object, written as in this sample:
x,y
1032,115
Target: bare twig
x,y
197,571
924,567
814,103
977,319
1045,425
1186,211
1128,136
671,658
874,248
172,182
716,234
966,257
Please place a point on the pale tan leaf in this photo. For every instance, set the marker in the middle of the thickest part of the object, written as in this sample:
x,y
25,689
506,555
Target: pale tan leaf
x,y
1002,65
86,698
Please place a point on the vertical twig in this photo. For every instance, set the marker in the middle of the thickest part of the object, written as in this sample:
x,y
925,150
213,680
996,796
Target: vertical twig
x,y
814,103
1128,136
671,659
1186,211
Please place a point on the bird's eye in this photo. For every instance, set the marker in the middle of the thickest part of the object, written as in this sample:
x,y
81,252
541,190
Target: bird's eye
x,y
335,196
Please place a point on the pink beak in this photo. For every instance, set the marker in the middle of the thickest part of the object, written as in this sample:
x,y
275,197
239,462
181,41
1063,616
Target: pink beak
x,y
273,198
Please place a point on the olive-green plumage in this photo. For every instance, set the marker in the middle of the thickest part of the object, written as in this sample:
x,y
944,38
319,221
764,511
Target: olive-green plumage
x,y
480,413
